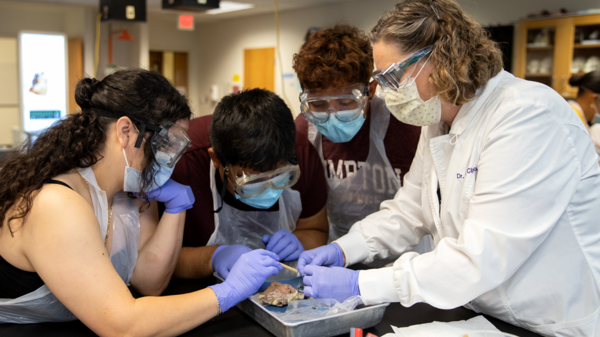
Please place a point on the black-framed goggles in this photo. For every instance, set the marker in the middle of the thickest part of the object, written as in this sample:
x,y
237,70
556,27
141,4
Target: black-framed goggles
x,y
169,141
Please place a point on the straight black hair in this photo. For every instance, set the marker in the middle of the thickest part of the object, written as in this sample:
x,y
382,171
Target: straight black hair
x,y
253,129
589,81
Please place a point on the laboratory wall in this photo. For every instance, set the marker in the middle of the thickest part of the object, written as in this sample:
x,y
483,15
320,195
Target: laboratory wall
x,y
222,44
216,48
75,21
164,36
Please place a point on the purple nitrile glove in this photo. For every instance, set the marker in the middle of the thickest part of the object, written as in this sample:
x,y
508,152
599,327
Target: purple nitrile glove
x,y
285,244
330,282
226,256
175,196
245,278
329,256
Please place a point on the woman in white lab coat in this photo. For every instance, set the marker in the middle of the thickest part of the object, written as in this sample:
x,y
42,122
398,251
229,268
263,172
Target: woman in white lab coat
x,y
505,178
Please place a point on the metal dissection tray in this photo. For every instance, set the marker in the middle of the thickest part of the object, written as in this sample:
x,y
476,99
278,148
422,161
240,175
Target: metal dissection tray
x,y
361,317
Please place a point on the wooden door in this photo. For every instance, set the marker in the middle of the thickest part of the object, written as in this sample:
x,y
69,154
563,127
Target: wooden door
x,y
180,72
75,49
259,68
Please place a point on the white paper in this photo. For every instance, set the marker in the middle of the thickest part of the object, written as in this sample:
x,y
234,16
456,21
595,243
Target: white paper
x,y
440,329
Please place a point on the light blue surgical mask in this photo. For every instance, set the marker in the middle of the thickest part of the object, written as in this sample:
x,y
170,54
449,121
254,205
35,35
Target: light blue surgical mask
x,y
133,177
265,200
341,132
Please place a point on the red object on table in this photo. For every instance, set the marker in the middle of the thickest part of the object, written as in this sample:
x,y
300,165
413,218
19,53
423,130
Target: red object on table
x,y
356,332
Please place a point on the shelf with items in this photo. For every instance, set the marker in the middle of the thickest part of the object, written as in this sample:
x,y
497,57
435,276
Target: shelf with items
x,y
587,46
571,44
541,48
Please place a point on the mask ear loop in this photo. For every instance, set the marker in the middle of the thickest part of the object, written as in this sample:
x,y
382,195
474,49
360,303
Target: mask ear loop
x,y
423,67
126,162
454,139
419,73
223,190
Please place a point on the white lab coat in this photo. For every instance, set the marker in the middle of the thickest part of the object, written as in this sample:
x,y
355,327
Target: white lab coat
x,y
519,233
595,134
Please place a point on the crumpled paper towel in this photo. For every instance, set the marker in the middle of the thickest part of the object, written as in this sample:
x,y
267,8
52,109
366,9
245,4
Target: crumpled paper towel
x,y
440,329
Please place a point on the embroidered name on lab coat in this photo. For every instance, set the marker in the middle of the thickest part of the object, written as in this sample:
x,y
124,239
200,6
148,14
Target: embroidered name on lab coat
x,y
470,170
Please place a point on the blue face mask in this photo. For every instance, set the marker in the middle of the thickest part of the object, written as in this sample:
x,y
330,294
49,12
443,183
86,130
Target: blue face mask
x,y
340,132
133,177
265,200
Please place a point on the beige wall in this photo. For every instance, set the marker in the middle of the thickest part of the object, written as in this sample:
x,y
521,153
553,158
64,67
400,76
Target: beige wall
x,y
216,49
75,21
222,44
164,36
9,96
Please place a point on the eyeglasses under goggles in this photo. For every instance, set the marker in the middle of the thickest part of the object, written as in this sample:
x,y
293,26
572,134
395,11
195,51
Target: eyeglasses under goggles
x,y
346,104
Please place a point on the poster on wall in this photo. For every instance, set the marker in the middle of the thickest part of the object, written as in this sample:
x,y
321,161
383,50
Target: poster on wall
x,y
43,79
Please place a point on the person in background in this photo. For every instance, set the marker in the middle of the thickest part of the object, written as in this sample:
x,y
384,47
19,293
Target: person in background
x,y
515,221
365,153
257,185
587,105
73,235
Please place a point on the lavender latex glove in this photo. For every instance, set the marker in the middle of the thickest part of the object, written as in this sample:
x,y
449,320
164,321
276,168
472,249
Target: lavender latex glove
x,y
175,196
335,282
285,244
245,278
226,256
328,256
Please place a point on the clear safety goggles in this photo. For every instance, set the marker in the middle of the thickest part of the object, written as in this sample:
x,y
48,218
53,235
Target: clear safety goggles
x,y
169,144
169,141
347,104
395,76
251,185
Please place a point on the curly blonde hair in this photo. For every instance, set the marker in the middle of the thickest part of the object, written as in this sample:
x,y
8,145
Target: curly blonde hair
x,y
465,57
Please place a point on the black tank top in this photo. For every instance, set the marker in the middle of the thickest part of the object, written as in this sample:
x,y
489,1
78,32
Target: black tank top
x,y
15,282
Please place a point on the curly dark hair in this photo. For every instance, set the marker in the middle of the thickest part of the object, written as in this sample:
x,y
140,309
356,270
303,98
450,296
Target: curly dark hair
x,y
77,141
465,57
334,57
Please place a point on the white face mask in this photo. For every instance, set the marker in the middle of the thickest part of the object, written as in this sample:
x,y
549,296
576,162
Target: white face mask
x,y
408,107
133,177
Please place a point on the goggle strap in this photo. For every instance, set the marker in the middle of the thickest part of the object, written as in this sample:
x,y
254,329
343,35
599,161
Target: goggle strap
x,y
143,125
223,191
140,137
423,67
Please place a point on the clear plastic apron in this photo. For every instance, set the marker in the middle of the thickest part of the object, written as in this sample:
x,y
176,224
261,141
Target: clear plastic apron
x,y
233,226
41,305
351,199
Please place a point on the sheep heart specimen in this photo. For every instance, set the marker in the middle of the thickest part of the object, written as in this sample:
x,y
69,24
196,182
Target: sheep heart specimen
x,y
278,294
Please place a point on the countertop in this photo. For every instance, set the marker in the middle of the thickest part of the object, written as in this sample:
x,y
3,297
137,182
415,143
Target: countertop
x,y
235,323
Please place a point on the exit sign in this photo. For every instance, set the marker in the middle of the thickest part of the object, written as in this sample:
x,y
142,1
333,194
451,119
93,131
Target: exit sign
x,y
185,22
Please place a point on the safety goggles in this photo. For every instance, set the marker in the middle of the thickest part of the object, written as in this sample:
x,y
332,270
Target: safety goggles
x,y
347,105
395,76
169,144
169,141
251,185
